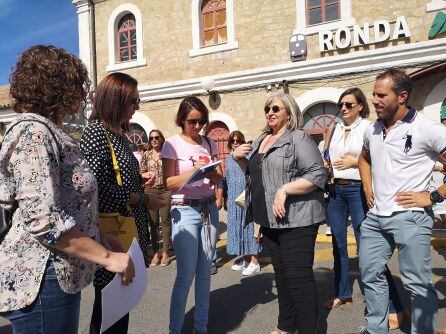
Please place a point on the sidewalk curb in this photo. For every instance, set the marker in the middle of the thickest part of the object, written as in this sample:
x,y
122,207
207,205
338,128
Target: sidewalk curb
x,y
438,240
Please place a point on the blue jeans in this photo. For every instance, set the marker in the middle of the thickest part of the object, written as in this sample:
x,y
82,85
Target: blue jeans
x,y
349,200
188,235
53,311
410,232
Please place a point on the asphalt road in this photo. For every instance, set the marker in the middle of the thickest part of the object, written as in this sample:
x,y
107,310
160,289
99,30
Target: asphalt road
x,y
248,305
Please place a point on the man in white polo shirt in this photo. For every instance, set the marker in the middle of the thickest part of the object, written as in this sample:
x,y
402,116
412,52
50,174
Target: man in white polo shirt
x,y
396,164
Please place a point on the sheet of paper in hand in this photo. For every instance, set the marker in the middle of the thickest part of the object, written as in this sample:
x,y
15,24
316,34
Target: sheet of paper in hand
x,y
199,173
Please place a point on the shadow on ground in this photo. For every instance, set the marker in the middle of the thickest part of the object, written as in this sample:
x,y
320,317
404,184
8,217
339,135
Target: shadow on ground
x,y
229,306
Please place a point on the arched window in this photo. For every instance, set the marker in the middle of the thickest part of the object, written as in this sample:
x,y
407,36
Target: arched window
x,y
127,38
318,117
213,23
137,134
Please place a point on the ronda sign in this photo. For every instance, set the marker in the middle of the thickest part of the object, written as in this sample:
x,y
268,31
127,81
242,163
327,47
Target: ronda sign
x,y
345,37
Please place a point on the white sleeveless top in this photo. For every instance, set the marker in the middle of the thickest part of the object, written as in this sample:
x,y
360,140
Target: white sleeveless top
x,y
352,145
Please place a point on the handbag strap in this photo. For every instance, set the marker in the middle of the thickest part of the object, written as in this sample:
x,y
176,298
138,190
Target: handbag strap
x,y
116,166
327,148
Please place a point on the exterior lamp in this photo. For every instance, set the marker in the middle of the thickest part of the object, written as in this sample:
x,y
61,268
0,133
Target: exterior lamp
x,y
208,83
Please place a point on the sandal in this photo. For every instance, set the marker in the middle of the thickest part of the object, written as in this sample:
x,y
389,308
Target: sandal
x,y
336,302
396,320
155,261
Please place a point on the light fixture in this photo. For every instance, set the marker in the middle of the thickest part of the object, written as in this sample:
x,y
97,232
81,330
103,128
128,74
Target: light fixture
x,y
207,83
269,87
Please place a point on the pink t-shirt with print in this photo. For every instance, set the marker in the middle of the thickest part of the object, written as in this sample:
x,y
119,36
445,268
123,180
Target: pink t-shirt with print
x,y
185,155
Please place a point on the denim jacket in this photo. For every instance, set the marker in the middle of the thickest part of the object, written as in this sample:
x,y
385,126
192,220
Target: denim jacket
x,y
295,155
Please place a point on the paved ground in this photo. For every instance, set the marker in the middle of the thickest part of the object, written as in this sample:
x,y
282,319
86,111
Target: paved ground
x,y
249,305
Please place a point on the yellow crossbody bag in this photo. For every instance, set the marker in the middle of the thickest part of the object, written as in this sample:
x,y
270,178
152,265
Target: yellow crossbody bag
x,y
122,227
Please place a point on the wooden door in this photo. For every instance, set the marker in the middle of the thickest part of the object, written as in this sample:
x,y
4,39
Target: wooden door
x,y
219,132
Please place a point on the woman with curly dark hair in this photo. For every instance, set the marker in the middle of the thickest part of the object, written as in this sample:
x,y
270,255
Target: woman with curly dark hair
x,y
49,253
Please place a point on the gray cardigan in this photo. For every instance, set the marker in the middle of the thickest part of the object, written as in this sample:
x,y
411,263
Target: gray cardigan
x,y
295,155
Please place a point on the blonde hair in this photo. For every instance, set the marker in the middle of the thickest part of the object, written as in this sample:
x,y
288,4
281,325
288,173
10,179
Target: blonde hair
x,y
291,108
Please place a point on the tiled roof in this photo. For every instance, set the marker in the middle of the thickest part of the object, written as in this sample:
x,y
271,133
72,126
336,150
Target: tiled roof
x,y
5,101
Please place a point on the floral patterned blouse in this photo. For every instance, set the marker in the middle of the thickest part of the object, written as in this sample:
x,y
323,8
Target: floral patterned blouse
x,y
55,191
150,164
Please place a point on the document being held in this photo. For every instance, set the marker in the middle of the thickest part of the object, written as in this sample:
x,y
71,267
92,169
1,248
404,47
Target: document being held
x,y
199,173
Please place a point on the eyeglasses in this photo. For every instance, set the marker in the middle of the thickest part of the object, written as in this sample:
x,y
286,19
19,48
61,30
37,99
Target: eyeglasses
x,y
235,140
134,102
154,138
348,105
193,122
274,108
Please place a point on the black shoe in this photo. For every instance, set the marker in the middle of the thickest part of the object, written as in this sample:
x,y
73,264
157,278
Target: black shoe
x,y
214,269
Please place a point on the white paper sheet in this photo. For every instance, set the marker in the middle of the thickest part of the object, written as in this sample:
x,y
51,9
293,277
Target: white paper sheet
x,y
118,299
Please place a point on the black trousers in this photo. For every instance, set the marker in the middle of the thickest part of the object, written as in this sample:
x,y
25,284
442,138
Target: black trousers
x,y
120,327
292,256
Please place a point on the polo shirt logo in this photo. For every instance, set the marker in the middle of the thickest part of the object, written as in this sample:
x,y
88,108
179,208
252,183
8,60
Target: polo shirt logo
x,y
408,145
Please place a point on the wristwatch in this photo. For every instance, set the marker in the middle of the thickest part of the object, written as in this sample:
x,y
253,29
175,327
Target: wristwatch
x,y
435,197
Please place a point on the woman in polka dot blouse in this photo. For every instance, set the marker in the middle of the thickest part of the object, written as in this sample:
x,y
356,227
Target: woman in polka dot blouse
x,y
115,102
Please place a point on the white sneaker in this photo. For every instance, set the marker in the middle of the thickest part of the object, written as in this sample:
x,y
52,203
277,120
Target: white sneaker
x,y
328,230
239,265
251,269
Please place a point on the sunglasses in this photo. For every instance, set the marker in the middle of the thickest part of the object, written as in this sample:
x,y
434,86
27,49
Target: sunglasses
x,y
134,102
237,141
275,109
193,122
154,137
348,105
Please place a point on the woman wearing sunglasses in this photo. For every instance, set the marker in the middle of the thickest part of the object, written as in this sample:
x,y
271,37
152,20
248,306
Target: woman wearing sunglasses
x,y
115,102
284,194
151,162
344,142
241,239
193,211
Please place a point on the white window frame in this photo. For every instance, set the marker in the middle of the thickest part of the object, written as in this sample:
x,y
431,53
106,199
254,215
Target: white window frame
x,y
115,17
435,5
197,49
346,20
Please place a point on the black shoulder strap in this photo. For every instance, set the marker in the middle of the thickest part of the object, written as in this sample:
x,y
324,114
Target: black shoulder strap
x,y
331,135
38,121
209,144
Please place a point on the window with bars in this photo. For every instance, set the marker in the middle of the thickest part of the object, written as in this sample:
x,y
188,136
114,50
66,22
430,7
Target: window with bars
x,y
127,38
322,11
213,23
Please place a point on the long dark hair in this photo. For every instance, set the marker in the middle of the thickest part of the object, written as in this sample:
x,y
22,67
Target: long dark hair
x,y
114,95
360,98
238,134
162,139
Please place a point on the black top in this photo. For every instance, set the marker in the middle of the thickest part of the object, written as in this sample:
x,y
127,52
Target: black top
x,y
260,213
112,197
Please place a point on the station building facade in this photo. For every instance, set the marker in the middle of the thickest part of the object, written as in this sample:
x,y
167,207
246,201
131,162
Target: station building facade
x,y
234,54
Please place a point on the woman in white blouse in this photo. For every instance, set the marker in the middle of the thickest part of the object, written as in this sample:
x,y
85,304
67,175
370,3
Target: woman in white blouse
x,y
347,196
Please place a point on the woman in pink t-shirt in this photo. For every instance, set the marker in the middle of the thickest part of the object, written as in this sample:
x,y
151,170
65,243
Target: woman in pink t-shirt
x,y
193,211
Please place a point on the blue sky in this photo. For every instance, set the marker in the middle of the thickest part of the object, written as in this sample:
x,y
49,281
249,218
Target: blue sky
x,y
24,23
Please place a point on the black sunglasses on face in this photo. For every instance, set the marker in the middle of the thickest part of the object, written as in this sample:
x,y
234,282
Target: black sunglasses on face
x,y
134,102
193,122
348,105
274,108
154,137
